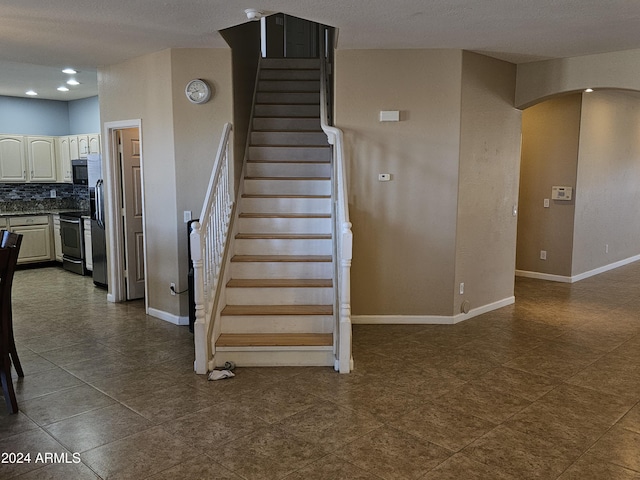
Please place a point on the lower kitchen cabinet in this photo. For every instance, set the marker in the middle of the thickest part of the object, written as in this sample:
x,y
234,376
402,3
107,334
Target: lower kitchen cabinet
x,y
36,238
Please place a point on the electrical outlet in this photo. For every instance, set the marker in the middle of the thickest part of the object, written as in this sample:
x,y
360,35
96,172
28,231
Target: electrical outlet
x,y
462,288
606,248
52,193
172,288
543,254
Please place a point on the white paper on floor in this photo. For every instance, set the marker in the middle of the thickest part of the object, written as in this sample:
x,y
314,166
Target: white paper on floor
x,y
220,374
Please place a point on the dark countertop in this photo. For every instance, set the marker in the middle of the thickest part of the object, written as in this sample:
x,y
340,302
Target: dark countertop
x,y
43,212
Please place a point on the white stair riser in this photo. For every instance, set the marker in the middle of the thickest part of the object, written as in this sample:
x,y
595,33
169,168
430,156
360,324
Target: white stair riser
x,y
288,85
281,98
286,110
278,246
287,187
280,296
298,154
276,323
265,357
275,123
288,169
284,225
279,74
289,270
285,205
290,63
289,138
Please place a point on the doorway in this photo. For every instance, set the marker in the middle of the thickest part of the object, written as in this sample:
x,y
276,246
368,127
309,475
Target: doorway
x,y
125,211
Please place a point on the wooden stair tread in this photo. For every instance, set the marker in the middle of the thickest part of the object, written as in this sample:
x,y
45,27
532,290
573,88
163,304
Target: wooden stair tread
x,y
301,162
281,258
285,115
275,340
256,195
280,282
277,310
287,178
287,131
283,236
286,104
289,145
285,215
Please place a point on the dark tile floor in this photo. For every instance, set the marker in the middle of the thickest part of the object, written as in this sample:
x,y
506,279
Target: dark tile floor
x,y
547,388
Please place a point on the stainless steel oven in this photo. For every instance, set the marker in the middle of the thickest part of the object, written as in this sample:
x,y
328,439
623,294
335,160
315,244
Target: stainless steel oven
x,y
72,235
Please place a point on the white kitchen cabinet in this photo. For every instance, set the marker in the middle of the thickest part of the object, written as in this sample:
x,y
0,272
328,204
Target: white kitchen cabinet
x,y
64,159
94,143
74,148
13,160
43,159
83,146
36,238
41,155
57,239
88,252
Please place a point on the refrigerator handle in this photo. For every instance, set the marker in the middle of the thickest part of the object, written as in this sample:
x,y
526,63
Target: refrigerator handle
x,y
99,204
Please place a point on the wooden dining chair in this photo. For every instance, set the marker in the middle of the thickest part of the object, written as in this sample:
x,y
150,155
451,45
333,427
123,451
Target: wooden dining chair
x,y
9,251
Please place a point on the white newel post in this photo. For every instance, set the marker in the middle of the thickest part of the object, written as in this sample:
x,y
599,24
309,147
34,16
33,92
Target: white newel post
x,y
200,326
345,357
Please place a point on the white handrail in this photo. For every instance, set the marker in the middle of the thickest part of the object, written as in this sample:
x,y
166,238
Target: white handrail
x,y
208,238
342,231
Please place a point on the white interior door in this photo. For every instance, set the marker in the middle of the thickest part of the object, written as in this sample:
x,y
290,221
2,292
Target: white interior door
x,y
132,211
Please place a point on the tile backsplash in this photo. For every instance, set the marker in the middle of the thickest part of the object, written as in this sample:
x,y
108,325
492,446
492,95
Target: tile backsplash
x,y
34,197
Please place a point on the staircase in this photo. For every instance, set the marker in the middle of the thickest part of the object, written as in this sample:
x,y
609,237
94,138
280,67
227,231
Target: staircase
x,y
280,296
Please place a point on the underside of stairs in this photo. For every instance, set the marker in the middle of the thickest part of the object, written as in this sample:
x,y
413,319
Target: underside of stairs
x,y
279,300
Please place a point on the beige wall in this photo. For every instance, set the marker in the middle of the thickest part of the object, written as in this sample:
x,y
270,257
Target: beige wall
x,y
541,80
488,182
550,132
178,145
607,192
196,131
404,230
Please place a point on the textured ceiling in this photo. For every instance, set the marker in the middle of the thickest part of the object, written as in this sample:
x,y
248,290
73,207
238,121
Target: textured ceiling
x,y
47,36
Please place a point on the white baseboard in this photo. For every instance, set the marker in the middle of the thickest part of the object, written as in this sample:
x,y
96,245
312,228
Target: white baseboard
x,y
429,319
606,268
581,276
400,319
168,317
543,276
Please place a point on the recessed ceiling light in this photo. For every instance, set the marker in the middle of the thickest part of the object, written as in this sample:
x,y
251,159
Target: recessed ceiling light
x,y
588,90
73,82
69,71
31,92
63,89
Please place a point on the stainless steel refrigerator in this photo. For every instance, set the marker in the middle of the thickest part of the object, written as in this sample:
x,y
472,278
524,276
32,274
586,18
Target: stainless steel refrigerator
x,y
98,236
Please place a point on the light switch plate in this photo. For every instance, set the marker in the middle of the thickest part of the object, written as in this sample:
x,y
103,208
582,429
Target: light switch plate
x,y
390,115
384,177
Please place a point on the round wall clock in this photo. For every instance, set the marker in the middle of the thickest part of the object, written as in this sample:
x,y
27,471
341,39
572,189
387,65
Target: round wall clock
x,y
198,91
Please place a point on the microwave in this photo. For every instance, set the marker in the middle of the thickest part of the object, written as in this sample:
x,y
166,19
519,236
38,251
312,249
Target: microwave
x,y
80,172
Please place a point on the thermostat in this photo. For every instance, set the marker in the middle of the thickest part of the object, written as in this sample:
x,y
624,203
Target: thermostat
x,y
561,193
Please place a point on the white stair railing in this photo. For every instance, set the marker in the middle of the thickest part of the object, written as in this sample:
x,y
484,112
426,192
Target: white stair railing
x,y
342,226
208,239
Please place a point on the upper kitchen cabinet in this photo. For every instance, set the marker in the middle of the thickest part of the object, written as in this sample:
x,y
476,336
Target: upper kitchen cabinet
x,y
88,144
64,159
41,153
38,158
94,143
13,161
